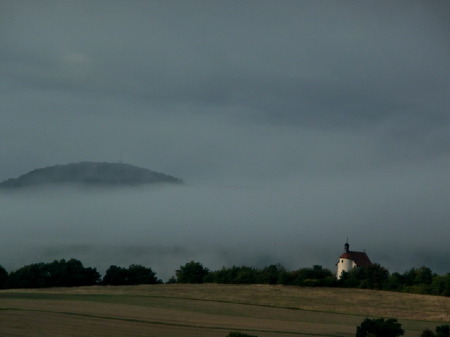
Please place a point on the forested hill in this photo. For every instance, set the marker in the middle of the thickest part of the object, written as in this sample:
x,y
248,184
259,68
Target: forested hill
x,y
89,174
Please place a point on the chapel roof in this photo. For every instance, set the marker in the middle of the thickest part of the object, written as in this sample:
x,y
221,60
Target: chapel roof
x,y
360,258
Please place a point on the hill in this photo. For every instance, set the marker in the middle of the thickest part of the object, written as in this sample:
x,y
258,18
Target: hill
x,y
211,310
89,174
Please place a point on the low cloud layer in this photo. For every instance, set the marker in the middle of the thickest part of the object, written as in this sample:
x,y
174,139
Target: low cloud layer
x,y
293,222
296,124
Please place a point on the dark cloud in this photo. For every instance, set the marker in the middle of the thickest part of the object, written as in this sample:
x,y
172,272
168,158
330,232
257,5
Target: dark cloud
x,y
295,123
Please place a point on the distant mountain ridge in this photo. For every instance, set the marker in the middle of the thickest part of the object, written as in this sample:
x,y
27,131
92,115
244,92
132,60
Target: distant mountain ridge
x,y
90,174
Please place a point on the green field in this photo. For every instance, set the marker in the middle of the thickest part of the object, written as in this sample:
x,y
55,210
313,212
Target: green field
x,y
210,310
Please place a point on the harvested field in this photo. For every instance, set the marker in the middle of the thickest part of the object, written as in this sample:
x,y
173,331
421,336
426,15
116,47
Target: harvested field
x,y
210,310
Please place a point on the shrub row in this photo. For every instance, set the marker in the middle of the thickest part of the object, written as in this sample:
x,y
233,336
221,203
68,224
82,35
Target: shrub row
x,y
416,280
72,273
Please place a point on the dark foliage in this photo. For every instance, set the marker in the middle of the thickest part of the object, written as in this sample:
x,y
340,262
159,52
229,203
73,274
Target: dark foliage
x,y
379,328
367,277
134,274
192,272
60,273
115,276
309,277
3,278
416,280
440,285
273,274
427,333
235,275
420,281
443,331
72,273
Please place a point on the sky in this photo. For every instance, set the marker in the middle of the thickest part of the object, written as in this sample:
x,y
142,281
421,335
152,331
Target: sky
x,y
295,125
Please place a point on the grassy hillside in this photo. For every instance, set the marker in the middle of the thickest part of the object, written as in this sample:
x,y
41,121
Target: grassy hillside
x,y
210,310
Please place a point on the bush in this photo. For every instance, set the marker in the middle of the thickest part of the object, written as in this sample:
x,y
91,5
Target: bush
x,y
379,328
427,333
443,331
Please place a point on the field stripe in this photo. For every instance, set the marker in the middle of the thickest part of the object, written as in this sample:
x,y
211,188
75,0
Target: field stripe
x,y
104,298
161,323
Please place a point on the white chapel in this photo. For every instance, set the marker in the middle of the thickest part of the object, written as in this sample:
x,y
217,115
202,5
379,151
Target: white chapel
x,y
351,259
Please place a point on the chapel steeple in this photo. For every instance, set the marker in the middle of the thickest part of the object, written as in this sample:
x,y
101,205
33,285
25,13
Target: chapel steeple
x,y
347,247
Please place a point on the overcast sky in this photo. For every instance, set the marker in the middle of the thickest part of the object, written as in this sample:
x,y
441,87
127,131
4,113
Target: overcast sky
x,y
295,124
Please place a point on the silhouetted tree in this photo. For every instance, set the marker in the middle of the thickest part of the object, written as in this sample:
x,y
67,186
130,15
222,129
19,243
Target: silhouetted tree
x,y
443,331
138,274
427,333
192,272
60,273
69,273
115,276
3,278
271,274
30,276
379,328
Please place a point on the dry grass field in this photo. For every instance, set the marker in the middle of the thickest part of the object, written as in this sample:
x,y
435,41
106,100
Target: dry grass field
x,y
210,310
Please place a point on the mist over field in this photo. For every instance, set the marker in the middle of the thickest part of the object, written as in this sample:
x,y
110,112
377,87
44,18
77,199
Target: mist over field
x,y
294,223
295,124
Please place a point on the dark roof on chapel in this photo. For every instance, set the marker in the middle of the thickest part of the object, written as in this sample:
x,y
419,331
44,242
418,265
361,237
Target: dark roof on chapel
x,y
360,258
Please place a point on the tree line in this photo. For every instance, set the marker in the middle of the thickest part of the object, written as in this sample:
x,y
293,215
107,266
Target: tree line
x,y
416,280
72,273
